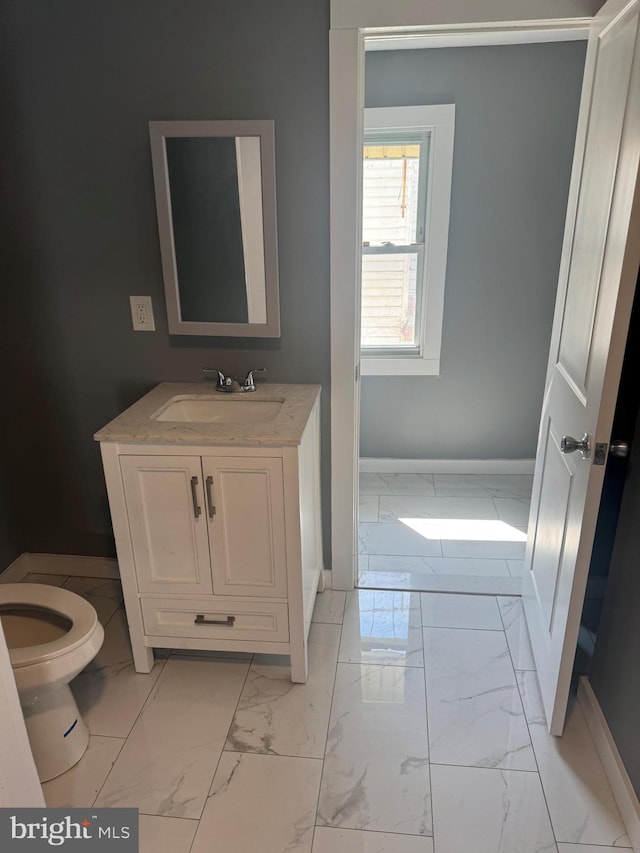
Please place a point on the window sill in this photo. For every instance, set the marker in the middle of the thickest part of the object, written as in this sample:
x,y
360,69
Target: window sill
x,y
399,366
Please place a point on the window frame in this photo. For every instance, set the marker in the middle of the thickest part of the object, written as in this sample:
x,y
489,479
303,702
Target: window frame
x,y
423,140
438,120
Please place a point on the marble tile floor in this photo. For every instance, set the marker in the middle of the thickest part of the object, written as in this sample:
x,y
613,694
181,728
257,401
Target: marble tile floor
x,y
458,533
420,730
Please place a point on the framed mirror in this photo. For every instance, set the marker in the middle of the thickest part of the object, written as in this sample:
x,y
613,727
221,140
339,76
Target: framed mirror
x,y
216,203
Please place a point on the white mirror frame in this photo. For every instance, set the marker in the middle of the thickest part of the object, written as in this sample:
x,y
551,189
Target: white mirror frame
x,y
159,131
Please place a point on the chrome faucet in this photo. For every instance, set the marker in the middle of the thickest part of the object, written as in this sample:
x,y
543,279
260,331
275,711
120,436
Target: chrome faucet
x,y
223,383
229,384
249,383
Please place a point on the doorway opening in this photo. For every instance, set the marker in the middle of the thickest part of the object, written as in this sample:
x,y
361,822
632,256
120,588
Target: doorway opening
x,y
446,452
598,269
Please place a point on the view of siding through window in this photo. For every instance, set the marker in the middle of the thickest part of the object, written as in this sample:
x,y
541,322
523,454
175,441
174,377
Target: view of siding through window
x,y
390,207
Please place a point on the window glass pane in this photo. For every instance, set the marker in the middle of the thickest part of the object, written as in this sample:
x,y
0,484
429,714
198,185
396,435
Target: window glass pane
x,y
390,193
389,300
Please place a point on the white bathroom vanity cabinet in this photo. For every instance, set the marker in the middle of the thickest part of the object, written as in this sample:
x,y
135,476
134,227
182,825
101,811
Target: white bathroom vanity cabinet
x,y
217,520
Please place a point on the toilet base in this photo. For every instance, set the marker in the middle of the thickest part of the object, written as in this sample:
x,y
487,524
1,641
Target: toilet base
x,y
57,733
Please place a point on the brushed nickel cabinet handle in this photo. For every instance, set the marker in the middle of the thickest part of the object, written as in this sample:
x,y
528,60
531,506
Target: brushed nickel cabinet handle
x,y
197,510
210,504
228,622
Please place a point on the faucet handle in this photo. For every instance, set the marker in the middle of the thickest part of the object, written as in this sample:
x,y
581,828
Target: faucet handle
x,y
249,383
213,372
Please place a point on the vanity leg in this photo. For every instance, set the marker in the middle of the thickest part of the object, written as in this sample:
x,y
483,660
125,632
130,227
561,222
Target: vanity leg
x,y
142,654
299,664
142,657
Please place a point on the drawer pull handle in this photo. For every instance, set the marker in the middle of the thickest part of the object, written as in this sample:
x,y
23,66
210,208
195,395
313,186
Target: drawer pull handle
x,y
210,504
196,509
228,622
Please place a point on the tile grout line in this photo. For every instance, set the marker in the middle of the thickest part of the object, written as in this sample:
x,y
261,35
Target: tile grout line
x,y
426,714
435,556
87,577
460,628
394,833
533,749
170,817
206,799
484,767
119,607
111,737
374,665
140,712
222,751
431,591
326,739
124,740
535,757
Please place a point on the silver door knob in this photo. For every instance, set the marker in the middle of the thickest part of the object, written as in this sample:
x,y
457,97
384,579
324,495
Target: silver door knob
x,y
619,448
569,444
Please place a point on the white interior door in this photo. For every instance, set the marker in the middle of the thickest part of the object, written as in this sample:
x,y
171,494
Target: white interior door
x,y
597,280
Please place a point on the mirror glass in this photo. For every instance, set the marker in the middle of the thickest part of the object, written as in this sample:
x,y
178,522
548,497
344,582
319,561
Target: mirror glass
x,y
215,193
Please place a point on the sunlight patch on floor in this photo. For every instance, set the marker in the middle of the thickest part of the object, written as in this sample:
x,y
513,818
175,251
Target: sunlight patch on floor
x,y
472,529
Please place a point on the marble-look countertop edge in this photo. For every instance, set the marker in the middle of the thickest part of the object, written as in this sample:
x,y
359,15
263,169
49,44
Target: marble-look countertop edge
x,y
135,425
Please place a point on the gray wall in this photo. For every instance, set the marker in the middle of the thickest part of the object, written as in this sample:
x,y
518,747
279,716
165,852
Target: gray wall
x,y
516,114
614,669
80,82
10,537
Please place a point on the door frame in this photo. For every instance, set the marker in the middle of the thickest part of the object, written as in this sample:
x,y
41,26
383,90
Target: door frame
x,y
413,24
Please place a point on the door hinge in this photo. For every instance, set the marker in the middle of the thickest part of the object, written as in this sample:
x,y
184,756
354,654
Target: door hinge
x,y
600,453
357,372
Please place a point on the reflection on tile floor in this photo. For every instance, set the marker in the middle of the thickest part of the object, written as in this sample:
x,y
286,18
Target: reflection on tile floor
x,y
382,628
461,533
226,753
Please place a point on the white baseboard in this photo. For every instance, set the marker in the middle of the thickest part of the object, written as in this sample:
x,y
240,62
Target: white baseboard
x,y
370,465
60,564
621,787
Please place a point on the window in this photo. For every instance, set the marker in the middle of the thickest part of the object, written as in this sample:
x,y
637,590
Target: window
x,y
408,154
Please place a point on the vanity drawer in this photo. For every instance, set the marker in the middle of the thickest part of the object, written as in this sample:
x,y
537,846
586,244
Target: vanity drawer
x,y
216,618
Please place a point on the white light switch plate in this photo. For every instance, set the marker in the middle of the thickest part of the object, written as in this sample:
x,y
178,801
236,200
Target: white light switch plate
x,y
142,314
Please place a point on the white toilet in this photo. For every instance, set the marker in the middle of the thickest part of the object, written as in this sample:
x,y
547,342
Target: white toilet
x,y
52,634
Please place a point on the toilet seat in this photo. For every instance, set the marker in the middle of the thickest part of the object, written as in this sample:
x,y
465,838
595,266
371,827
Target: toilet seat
x,y
65,603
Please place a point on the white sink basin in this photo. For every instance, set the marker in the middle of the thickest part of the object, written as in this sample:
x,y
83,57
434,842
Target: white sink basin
x,y
221,410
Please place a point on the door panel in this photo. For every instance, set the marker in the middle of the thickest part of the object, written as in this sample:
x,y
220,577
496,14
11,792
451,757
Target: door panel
x,y
246,530
550,543
165,505
598,273
611,85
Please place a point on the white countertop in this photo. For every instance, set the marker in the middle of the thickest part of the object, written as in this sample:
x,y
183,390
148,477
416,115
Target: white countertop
x,y
136,424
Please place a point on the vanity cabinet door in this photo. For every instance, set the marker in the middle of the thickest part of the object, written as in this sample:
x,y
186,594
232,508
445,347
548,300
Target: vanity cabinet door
x,y
168,523
245,510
